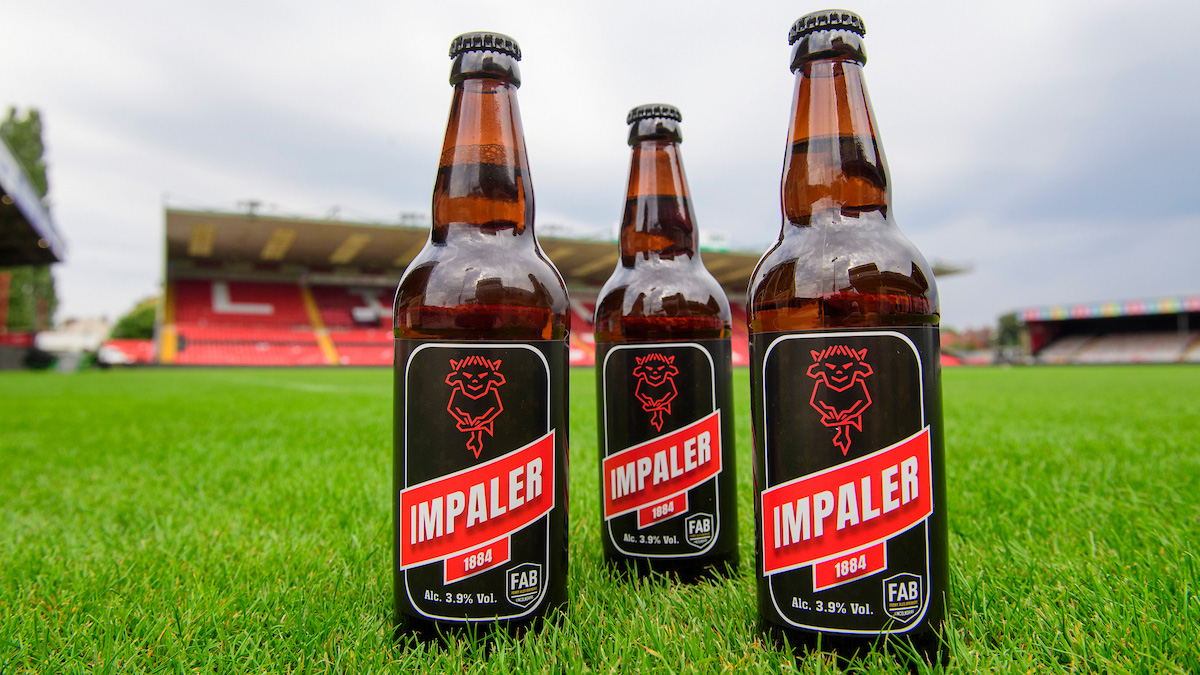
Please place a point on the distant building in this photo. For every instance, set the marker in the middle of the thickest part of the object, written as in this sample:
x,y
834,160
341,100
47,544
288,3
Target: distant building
x,y
1156,330
27,237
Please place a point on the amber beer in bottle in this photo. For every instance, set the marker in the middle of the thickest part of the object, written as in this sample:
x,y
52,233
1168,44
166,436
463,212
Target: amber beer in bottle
x,y
846,394
663,370
480,433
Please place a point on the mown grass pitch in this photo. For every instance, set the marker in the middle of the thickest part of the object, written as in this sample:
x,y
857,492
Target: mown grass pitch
x,y
225,521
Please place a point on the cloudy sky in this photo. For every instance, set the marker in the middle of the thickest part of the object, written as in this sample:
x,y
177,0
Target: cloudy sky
x,y
1052,146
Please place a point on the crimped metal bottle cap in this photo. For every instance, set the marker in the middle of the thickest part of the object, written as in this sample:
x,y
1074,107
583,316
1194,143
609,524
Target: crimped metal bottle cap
x,y
650,110
485,41
826,19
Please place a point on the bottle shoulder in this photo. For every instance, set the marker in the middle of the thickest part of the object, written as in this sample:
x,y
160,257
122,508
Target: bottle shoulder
x,y
661,301
452,292
654,280
863,261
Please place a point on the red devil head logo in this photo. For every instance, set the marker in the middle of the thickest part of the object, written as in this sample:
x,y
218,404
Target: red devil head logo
x,y
840,393
656,385
475,399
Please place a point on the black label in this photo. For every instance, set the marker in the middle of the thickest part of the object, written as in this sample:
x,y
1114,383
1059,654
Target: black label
x,y
666,434
849,473
480,479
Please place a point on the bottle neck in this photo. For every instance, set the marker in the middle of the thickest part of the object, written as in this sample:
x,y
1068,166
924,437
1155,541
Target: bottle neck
x,y
658,222
834,164
483,175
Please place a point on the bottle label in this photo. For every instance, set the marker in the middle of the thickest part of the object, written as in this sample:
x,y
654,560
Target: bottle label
x,y
480,476
849,424
666,434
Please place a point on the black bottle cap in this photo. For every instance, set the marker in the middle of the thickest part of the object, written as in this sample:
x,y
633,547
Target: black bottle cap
x,y
643,112
485,55
485,42
654,120
828,34
826,19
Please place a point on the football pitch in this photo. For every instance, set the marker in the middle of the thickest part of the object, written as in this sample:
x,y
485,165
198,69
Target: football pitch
x,y
237,520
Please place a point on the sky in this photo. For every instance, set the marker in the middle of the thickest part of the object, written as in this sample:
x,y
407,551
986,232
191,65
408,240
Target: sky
x,y
1050,146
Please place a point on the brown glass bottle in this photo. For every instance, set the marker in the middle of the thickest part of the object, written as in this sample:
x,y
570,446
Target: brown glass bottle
x,y
843,316
480,435
663,366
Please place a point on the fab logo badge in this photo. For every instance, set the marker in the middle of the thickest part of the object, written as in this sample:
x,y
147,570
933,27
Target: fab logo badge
x,y
655,374
840,391
475,400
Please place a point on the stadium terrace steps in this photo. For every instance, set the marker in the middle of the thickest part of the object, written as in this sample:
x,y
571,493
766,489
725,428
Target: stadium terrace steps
x,y
1064,349
357,355
358,336
350,306
243,323
1155,347
1192,354
247,323
239,303
231,333
259,354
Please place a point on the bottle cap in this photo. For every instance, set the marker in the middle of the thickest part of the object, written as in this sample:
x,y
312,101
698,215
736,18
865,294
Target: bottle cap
x,y
485,42
643,112
826,19
654,120
828,34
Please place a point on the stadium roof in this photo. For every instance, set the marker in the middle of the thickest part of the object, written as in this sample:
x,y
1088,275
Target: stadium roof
x,y
386,249
1111,309
27,234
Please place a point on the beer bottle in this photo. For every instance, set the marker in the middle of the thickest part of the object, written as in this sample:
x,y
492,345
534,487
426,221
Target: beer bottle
x,y
480,433
846,395
662,328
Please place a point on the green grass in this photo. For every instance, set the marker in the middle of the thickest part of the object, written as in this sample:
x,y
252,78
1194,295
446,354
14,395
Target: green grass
x,y
225,521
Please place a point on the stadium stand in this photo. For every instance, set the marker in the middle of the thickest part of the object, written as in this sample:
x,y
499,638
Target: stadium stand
x,y
1155,347
28,236
1192,355
1132,331
1065,349
583,339
241,322
349,307
247,289
358,321
366,355
235,303
267,324
741,335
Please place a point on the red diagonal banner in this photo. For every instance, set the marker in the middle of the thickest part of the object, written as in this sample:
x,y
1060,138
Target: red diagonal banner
x,y
847,507
462,511
662,467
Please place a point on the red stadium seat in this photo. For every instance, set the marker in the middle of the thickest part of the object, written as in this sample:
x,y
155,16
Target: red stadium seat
x,y
741,335
377,355
338,305
206,302
243,323
260,354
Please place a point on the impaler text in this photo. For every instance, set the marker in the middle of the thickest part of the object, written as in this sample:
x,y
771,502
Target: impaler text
x,y
854,504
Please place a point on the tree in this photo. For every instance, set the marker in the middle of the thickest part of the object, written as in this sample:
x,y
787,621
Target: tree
x,y
32,299
139,322
1009,333
24,138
